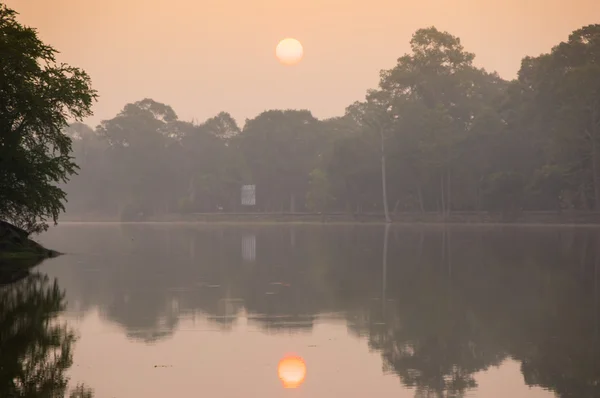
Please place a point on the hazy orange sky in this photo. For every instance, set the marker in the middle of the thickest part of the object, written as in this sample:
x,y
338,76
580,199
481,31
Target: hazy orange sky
x,y
205,56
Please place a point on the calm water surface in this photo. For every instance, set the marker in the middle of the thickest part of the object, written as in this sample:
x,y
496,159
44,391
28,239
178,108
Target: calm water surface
x,y
182,310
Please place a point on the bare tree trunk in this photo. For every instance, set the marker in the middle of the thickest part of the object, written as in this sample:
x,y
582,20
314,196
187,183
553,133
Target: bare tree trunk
x,y
384,181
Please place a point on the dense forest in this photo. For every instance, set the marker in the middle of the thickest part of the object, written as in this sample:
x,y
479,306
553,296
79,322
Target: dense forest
x,y
438,135
444,134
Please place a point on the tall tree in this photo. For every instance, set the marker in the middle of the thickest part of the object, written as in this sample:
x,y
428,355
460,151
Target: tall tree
x,y
91,190
351,162
562,91
436,90
280,148
319,195
374,115
212,169
37,98
141,138
223,126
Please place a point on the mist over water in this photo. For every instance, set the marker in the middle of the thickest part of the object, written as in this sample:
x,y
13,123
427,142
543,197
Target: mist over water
x,y
414,311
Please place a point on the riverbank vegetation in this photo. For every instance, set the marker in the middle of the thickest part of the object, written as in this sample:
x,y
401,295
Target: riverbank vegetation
x,y
437,135
444,134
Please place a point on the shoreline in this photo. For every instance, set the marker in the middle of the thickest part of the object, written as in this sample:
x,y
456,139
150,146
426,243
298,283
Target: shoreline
x,y
15,244
455,218
19,254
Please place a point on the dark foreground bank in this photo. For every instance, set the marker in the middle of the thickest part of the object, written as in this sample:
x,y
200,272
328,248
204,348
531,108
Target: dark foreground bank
x,y
18,253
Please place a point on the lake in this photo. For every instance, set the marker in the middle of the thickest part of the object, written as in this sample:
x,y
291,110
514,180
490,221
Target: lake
x,y
178,310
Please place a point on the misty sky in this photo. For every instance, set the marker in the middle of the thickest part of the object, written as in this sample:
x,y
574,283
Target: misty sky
x,y
207,56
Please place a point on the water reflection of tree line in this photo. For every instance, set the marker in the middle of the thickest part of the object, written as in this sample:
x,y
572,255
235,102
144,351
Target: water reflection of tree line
x,y
457,300
35,350
519,299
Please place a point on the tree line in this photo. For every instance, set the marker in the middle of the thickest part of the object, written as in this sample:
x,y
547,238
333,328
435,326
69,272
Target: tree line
x,y
439,135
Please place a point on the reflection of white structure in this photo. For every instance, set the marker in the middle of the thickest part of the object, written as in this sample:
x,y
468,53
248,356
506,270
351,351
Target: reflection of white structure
x,y
249,247
248,195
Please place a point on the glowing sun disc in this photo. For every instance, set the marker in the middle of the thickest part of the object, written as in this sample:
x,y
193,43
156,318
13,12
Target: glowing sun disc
x,y
291,371
289,51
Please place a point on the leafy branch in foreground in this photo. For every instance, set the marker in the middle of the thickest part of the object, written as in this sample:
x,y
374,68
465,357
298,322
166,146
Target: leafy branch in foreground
x,y
38,96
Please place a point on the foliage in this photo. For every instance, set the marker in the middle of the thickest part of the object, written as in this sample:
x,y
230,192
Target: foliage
x,y
550,182
442,133
319,195
280,149
38,96
504,192
81,391
562,93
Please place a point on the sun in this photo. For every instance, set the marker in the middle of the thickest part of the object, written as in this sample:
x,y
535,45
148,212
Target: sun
x,y
289,51
291,371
